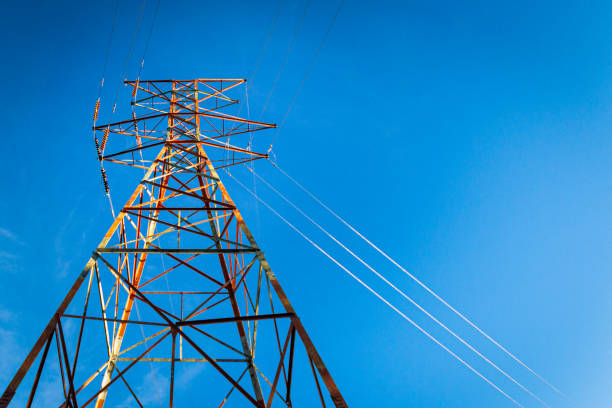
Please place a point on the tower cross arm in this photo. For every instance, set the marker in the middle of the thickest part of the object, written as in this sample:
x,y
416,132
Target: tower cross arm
x,y
182,114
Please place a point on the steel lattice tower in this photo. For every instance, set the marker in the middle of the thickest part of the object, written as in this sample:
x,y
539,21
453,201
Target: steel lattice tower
x,y
178,296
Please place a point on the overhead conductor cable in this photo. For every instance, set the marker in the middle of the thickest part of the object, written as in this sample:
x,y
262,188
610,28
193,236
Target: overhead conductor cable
x,y
295,34
261,53
265,46
100,147
314,58
402,293
380,297
106,58
424,286
144,54
97,107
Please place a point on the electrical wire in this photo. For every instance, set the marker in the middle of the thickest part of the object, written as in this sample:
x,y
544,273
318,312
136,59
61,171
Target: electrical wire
x,y
402,293
257,217
142,6
314,58
127,59
423,285
97,108
251,77
110,202
108,48
144,54
379,296
295,34
263,50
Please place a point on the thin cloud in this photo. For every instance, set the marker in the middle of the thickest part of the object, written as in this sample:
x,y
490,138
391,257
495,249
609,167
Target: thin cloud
x,y
8,262
7,255
12,353
5,315
185,379
63,267
11,236
147,396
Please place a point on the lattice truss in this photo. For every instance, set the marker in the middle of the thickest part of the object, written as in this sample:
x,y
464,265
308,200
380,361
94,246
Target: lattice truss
x,y
178,305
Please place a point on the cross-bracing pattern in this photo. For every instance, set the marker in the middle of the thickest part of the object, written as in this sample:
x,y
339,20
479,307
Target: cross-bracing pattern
x,y
178,304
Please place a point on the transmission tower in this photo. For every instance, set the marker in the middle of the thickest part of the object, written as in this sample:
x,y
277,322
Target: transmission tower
x,y
178,297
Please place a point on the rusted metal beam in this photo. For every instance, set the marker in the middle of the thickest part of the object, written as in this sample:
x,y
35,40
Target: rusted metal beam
x,y
333,389
39,372
281,364
176,250
182,119
180,114
235,319
187,338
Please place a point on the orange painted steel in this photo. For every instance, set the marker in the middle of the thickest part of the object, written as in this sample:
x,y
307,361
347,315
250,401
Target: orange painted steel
x,y
231,303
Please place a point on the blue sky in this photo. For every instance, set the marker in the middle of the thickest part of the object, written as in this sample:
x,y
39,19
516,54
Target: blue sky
x,y
470,140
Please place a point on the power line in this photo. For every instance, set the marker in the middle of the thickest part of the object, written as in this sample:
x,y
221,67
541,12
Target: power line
x,y
263,50
314,58
108,48
98,102
402,293
380,297
258,224
295,34
110,202
423,285
144,54
107,189
127,59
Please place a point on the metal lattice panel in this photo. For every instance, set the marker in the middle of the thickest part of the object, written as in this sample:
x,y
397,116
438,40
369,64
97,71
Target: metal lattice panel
x,y
178,281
